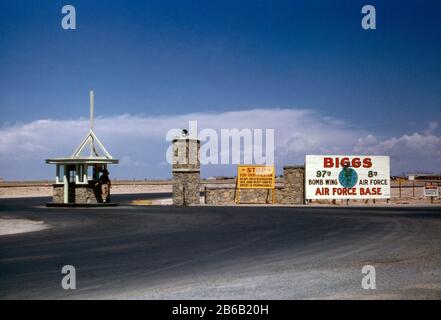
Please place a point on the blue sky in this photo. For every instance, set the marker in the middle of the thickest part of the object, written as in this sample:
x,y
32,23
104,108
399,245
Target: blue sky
x,y
168,58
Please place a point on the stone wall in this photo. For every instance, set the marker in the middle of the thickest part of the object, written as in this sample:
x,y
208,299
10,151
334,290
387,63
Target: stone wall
x,y
290,191
186,181
227,195
186,187
58,193
293,191
86,193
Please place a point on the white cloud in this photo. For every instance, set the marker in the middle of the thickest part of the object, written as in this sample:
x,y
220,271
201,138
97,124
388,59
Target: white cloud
x,y
139,141
432,126
415,152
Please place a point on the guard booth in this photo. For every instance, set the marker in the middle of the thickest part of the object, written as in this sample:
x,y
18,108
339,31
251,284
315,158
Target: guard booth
x,y
76,176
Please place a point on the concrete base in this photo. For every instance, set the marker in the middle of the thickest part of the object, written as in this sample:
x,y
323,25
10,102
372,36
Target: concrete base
x,y
81,205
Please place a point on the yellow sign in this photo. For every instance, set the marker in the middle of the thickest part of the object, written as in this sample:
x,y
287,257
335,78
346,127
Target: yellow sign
x,y
255,177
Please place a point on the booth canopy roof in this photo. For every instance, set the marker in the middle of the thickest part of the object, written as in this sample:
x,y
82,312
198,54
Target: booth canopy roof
x,y
82,160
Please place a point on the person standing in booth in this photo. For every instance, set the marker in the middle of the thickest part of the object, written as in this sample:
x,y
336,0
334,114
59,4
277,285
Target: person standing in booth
x,y
104,183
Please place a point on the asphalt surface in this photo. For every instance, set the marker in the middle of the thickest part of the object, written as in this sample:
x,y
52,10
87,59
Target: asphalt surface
x,y
166,252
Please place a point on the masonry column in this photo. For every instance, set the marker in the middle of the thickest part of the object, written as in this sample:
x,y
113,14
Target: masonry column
x,y
293,191
186,171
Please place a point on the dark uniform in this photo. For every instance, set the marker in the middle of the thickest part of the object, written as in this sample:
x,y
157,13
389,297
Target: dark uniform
x,y
104,182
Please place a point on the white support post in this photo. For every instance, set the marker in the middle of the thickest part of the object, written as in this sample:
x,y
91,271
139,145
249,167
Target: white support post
x,y
66,185
57,174
85,178
77,177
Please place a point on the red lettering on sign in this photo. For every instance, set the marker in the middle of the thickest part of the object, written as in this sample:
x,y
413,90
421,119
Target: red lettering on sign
x,y
322,192
344,191
367,163
370,191
328,162
344,162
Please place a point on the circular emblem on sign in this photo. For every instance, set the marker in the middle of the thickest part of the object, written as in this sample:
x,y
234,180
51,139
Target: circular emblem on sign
x,y
348,177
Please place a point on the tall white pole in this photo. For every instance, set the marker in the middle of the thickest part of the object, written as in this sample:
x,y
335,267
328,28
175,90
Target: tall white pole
x,y
92,143
91,109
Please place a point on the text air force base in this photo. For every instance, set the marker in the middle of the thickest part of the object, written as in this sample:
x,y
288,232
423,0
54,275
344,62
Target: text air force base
x,y
347,177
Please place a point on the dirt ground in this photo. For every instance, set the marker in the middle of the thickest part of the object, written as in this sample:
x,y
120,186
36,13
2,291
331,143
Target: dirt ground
x,y
406,193
23,190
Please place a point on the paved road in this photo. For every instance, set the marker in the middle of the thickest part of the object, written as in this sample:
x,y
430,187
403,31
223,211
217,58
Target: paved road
x,y
221,252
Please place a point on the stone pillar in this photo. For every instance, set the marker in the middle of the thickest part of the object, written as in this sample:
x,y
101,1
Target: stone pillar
x,y
186,171
293,191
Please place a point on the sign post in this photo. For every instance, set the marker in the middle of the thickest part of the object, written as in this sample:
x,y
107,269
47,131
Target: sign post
x,y
431,191
347,177
255,177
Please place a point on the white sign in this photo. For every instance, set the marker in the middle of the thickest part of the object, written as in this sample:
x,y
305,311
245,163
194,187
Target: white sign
x,y
347,177
431,191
